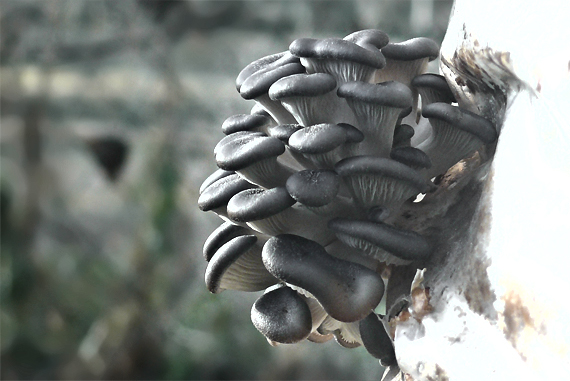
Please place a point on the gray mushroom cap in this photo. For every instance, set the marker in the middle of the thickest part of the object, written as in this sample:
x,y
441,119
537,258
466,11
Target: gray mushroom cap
x,y
282,316
269,62
237,265
224,233
433,88
302,85
313,187
404,244
412,157
402,135
240,151
376,339
369,37
221,191
259,83
390,93
319,138
257,204
218,174
347,291
413,49
283,131
337,49
245,122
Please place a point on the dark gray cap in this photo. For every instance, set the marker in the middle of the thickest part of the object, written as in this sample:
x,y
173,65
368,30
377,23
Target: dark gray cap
x,y
390,94
402,135
368,38
221,191
318,138
269,62
413,49
245,122
337,49
257,204
224,233
237,265
283,131
242,150
282,316
376,340
218,174
302,85
347,291
433,88
410,156
260,82
404,244
313,187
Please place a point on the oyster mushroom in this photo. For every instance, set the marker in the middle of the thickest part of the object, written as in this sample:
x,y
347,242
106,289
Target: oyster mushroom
x,y
215,196
246,122
376,339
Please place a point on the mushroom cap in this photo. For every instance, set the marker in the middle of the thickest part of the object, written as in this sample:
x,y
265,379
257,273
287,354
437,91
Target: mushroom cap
x,y
367,165
282,315
402,134
367,37
224,233
283,131
245,122
353,134
221,191
337,49
237,265
302,85
347,291
436,83
410,156
462,119
318,138
267,62
404,244
412,49
259,83
218,174
376,339
239,151
313,187
257,204
390,93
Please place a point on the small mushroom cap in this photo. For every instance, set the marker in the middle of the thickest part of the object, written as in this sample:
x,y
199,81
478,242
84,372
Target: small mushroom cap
x,y
436,83
319,138
257,204
259,83
368,37
281,315
367,165
240,151
404,244
390,93
412,157
224,233
337,49
402,134
268,62
376,339
245,122
346,290
313,187
413,49
462,119
221,191
237,265
283,131
353,134
302,85
218,174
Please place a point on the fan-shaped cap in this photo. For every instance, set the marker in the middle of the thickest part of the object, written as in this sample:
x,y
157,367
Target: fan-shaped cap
x,y
313,187
245,122
237,265
412,157
218,174
404,244
346,290
224,233
434,84
259,83
319,138
376,339
265,63
462,119
283,131
221,191
402,135
257,204
369,37
337,49
413,49
282,316
302,85
240,151
390,94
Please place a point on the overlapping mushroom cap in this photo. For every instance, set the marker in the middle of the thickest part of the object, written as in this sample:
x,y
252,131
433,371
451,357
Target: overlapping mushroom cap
x,y
318,183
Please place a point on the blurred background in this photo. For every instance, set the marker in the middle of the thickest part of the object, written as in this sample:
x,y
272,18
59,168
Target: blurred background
x,y
109,114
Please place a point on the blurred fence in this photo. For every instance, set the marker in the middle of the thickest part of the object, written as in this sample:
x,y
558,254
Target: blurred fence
x,y
109,114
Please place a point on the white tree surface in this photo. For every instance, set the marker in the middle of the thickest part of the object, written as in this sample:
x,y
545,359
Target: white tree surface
x,y
496,304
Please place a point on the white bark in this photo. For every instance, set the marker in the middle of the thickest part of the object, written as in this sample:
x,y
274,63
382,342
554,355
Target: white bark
x,y
498,284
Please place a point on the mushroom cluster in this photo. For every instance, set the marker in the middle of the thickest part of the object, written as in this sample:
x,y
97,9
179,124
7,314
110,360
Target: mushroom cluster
x,y
313,183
